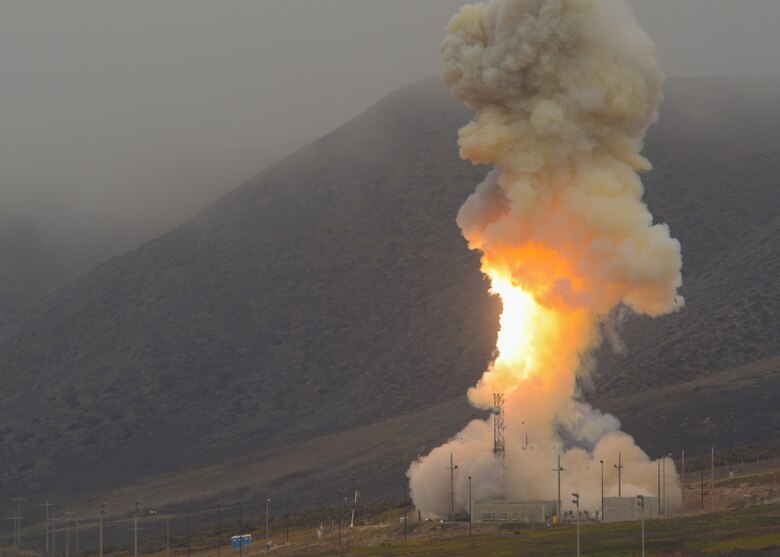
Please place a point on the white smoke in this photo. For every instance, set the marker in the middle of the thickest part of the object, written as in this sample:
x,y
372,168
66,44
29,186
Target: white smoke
x,y
564,91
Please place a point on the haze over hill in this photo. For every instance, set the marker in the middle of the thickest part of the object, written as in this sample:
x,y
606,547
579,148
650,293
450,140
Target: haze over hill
x,y
51,235
334,291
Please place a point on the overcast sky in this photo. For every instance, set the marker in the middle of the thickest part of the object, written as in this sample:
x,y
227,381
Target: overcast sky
x,y
113,110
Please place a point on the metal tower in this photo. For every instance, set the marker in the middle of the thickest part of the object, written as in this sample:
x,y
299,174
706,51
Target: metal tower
x,y
499,447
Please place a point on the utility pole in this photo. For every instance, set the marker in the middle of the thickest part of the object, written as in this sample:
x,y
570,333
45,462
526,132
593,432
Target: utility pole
x,y
659,486
102,512
188,532
18,538
135,528
559,469
712,478
404,487
13,518
219,529
683,481
287,513
77,534
267,538
67,533
47,505
702,485
53,534
576,501
619,467
470,513
664,491
338,495
602,490
641,502
354,501
240,529
168,538
667,510
452,469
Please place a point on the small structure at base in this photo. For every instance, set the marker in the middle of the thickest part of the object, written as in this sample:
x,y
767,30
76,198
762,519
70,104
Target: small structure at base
x,y
499,511
618,509
244,540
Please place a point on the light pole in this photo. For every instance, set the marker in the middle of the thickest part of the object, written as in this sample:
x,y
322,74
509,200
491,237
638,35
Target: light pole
x,y
576,501
452,469
659,486
287,513
18,522
47,505
404,487
641,502
619,467
267,538
219,529
702,485
682,458
664,480
67,533
354,501
712,478
240,529
338,502
135,528
346,506
102,512
602,490
470,505
53,533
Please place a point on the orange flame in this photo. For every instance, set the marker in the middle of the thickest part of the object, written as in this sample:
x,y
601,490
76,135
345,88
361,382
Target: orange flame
x,y
536,343
516,336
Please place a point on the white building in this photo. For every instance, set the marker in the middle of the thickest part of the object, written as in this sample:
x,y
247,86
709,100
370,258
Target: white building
x,y
627,508
497,511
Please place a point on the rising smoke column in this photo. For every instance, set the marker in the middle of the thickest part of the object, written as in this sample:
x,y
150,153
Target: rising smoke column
x,y
563,93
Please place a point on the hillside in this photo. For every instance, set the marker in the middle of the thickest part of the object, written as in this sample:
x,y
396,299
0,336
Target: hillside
x,y
53,232
333,292
737,405
312,298
716,183
692,416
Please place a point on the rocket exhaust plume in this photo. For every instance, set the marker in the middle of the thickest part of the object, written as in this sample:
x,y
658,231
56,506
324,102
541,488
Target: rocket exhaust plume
x,y
563,93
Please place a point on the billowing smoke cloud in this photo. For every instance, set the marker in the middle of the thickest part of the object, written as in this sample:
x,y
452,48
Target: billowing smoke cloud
x,y
563,91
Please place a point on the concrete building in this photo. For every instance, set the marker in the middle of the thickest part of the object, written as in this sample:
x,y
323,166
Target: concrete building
x,y
497,511
627,508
